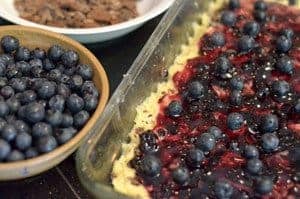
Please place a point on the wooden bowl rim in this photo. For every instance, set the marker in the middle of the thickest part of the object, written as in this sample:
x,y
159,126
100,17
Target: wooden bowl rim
x,y
84,131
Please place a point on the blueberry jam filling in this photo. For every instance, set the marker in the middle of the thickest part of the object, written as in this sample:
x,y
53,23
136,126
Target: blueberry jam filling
x,y
46,98
232,130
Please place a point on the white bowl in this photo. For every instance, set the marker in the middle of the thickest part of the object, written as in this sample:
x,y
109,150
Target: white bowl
x,y
147,10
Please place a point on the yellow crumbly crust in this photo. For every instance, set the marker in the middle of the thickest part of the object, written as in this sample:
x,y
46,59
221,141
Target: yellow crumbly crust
x,y
123,176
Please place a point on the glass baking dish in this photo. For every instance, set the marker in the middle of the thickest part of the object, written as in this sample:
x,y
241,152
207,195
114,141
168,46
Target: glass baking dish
x,y
102,146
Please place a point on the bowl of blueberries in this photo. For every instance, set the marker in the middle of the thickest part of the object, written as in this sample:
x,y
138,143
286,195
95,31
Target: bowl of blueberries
x,y
52,91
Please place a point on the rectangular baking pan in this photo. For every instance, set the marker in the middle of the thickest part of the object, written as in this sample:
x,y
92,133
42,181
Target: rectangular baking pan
x,y
102,147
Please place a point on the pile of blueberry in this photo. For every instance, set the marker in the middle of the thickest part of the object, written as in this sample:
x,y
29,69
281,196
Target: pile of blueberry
x,y
45,99
221,136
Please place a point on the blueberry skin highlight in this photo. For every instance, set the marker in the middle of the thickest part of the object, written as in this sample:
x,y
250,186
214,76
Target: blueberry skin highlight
x,y
235,121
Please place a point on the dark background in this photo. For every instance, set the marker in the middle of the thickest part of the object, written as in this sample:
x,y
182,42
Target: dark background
x,y
62,182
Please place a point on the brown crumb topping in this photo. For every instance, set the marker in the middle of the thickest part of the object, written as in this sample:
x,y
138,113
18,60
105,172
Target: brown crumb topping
x,y
77,13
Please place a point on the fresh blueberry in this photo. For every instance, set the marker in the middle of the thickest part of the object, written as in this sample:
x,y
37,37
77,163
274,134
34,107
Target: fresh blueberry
x,y
22,112
245,44
85,71
260,5
22,54
36,83
75,103
31,153
4,109
46,144
150,165
48,64
21,126
70,71
14,156
9,132
54,117
47,90
36,63
196,89
254,166
6,59
222,65
251,152
7,91
3,81
175,109
63,90
18,84
280,88
36,71
285,65
9,44
237,83
70,58
283,44
297,107
236,98
55,52
215,131
91,102
60,67
64,135
41,129
296,177
43,103
23,141
34,112
217,39
4,149
67,120
293,2
270,142
235,121
260,16
11,119
269,123
223,189
228,18
148,142
2,123
12,71
264,185
76,82
65,79
288,33
57,102
23,66
28,96
2,69
234,4
13,104
89,88
251,28
234,146
181,176
294,155
81,118
38,53
195,157
206,142
55,75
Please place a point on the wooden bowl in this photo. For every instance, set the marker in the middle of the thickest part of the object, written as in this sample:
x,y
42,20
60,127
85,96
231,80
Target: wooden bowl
x,y
32,38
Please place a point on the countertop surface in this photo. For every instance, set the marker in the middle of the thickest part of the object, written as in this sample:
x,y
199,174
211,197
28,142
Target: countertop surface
x,y
62,182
